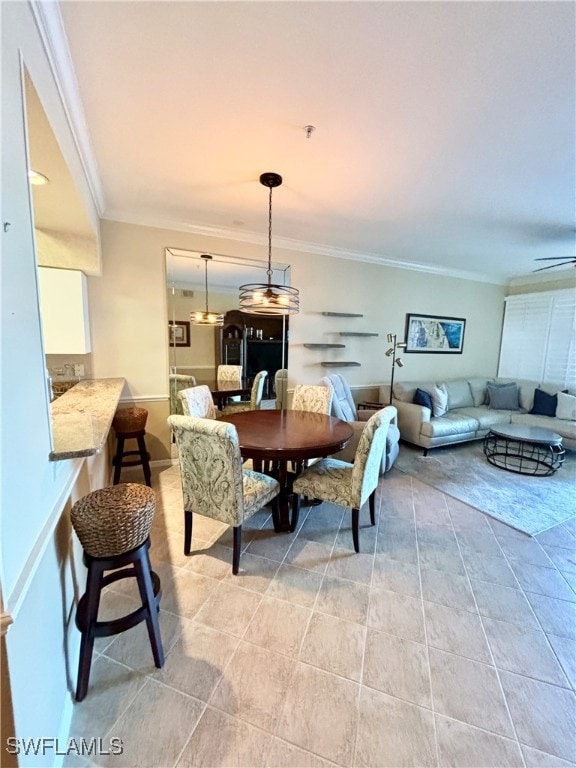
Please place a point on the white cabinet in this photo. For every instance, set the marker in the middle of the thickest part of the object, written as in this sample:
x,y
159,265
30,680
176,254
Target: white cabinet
x,y
64,311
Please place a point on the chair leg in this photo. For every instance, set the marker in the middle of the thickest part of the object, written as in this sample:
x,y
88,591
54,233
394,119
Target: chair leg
x,y
276,514
355,518
145,459
372,505
144,578
236,549
118,460
187,532
295,512
92,597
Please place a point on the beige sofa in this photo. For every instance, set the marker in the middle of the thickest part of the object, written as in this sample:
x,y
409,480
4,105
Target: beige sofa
x,y
469,417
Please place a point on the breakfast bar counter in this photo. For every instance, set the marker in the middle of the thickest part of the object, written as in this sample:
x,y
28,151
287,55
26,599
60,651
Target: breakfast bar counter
x,y
81,418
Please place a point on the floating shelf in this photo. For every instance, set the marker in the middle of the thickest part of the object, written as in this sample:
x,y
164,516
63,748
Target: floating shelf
x,y
325,346
354,333
340,314
339,365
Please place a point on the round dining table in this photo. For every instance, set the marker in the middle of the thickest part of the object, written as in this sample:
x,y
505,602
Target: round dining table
x,y
278,437
222,390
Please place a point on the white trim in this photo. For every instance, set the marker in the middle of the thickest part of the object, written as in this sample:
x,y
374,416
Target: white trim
x,y
537,294
51,29
144,398
22,585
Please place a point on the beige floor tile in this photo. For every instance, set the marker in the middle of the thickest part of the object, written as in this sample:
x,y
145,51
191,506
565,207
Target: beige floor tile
x,y
308,555
463,746
197,660
155,727
396,576
113,605
564,559
284,755
441,557
447,589
322,524
543,581
393,733
526,549
429,505
525,651
229,609
255,573
320,714
398,543
267,543
482,543
543,714
396,614
343,599
565,650
254,686
221,741
278,626
465,518
492,569
112,688
133,646
559,536
504,603
458,632
366,535
295,585
334,645
557,617
211,560
534,758
468,691
187,593
397,667
350,565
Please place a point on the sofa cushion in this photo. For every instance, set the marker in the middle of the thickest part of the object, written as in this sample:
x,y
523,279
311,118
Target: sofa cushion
x,y
421,397
566,408
478,390
503,396
405,390
459,394
544,404
452,423
485,416
439,397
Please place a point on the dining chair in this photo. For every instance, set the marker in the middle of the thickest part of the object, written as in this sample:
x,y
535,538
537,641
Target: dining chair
x,y
197,402
313,398
178,382
348,485
255,397
230,373
281,386
213,481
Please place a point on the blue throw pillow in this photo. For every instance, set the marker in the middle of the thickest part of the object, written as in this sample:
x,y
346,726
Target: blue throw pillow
x,y
544,404
421,397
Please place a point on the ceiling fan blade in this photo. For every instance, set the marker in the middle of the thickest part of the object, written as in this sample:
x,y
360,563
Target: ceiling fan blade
x,y
551,266
553,258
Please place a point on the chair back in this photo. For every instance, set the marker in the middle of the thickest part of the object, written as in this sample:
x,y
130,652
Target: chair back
x,y
178,382
197,402
368,460
257,389
313,398
281,386
229,373
210,467
343,405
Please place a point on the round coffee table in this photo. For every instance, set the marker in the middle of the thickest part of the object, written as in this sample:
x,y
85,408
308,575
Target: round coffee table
x,y
524,450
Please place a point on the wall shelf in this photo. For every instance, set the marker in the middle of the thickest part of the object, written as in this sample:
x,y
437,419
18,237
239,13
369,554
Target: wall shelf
x,y
340,314
356,333
325,346
339,365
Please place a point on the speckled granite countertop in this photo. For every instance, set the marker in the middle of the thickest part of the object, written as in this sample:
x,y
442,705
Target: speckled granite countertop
x,y
81,418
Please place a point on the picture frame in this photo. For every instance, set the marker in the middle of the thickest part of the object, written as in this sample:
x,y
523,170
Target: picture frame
x,y
179,333
435,334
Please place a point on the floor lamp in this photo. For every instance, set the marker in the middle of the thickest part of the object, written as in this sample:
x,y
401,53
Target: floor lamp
x,y
396,361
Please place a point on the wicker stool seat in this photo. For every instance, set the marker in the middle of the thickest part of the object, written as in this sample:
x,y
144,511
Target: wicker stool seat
x,y
113,525
130,423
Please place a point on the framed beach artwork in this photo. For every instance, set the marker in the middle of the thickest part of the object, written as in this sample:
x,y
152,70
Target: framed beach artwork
x,y
435,333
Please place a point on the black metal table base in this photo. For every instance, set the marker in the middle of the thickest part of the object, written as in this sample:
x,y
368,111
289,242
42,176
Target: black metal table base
x,y
524,458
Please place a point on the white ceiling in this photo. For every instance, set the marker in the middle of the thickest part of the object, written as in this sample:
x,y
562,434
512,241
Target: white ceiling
x,y
444,131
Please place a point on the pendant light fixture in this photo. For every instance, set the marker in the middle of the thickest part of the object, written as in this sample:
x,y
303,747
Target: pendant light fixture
x,y
269,298
205,317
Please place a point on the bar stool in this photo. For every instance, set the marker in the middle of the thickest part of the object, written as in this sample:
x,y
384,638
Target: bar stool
x,y
113,525
130,423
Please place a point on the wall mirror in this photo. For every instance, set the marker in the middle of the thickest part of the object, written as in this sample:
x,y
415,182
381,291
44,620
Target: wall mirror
x,y
255,343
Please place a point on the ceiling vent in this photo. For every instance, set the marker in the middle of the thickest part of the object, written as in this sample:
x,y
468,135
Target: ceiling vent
x,y
187,294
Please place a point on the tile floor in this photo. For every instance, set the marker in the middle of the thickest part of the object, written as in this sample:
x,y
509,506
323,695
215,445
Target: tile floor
x,y
449,641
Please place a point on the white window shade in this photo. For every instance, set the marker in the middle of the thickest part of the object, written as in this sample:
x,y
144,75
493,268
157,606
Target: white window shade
x,y
538,338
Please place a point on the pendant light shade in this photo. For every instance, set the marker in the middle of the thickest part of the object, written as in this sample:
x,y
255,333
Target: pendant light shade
x,y
205,317
269,298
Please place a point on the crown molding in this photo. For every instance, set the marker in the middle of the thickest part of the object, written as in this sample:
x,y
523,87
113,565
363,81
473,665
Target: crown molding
x,y
51,28
300,246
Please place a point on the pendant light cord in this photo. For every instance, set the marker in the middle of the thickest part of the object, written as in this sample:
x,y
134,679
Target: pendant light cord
x,y
269,270
206,282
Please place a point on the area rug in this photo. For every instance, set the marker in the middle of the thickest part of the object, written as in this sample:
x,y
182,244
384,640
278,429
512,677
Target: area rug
x,y
529,504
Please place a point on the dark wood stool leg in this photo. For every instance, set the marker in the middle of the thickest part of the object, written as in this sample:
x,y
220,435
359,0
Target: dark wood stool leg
x,y
118,459
144,578
145,461
92,598
236,549
295,512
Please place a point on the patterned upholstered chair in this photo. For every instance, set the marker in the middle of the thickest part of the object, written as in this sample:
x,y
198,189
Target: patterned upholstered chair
x,y
348,485
229,373
255,397
197,402
313,398
178,382
344,407
281,386
213,481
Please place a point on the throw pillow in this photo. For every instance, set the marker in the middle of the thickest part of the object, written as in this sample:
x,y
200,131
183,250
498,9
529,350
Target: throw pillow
x,y
544,404
439,397
566,408
421,397
503,397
